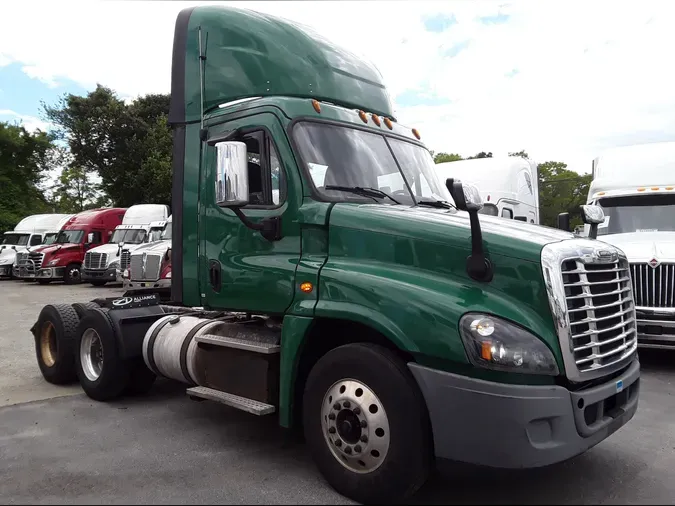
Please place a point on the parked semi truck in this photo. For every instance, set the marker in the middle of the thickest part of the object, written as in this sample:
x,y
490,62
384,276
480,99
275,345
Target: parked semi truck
x,y
392,328
29,232
507,184
635,186
102,264
62,260
148,267
21,261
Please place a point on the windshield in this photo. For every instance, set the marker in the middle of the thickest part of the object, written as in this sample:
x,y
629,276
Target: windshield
x,y
15,239
155,234
69,236
643,213
128,236
50,238
342,156
166,234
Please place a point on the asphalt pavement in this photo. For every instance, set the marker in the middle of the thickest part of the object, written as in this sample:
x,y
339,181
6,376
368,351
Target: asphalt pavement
x,y
58,446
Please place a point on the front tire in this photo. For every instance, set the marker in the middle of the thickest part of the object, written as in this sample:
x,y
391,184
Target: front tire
x,y
102,373
55,334
72,275
367,424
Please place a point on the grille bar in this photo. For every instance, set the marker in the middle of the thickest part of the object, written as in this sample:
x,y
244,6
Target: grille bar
x,y
93,260
654,286
125,259
37,259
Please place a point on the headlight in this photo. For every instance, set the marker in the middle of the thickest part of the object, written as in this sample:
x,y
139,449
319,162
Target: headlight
x,y
53,262
497,344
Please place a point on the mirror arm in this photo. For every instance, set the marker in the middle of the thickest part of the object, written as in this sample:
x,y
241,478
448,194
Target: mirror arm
x,y
269,228
593,232
478,266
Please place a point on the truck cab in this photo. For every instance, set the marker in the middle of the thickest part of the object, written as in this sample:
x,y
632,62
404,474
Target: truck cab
x,y
49,237
635,186
508,185
62,260
323,274
148,267
28,233
102,264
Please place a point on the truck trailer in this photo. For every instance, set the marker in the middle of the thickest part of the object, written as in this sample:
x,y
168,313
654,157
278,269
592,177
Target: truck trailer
x,y
391,329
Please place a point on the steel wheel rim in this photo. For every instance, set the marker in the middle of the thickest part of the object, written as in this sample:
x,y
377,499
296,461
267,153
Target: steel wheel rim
x,y
91,354
74,273
349,403
48,346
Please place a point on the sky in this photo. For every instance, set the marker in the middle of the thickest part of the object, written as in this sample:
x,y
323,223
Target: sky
x,y
560,79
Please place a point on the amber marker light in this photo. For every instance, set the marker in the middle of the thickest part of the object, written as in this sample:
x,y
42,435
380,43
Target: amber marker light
x,y
363,116
376,119
655,188
306,287
641,189
316,105
416,133
387,122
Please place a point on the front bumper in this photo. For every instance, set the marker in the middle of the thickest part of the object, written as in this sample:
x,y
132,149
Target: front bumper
x,y
519,426
5,270
144,285
47,273
656,328
109,275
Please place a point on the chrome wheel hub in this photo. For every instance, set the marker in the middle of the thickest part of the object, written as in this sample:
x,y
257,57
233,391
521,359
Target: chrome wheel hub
x,y
91,354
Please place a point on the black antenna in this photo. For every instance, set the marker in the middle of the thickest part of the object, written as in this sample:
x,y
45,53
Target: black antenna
x,y
202,60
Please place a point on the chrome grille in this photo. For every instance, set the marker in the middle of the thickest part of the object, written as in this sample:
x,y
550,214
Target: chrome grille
x,y
152,265
653,286
93,260
22,259
36,259
600,310
125,259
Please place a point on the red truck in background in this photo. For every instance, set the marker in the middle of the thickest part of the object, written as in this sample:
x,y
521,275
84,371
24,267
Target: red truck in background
x,y
62,260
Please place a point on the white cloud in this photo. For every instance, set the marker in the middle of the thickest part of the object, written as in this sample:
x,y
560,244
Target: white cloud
x,y
30,123
587,75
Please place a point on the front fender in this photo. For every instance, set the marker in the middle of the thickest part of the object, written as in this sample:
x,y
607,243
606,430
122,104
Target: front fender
x,y
419,310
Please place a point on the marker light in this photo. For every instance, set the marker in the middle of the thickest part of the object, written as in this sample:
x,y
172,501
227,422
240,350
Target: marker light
x,y
376,119
316,105
363,116
669,187
641,189
416,133
655,188
306,287
387,122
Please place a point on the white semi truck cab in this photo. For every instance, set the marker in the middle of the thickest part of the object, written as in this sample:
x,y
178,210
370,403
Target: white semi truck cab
x,y
635,186
148,267
103,264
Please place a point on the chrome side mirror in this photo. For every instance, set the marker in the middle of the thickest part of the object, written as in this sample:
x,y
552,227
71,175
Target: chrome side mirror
x,y
592,215
466,195
231,174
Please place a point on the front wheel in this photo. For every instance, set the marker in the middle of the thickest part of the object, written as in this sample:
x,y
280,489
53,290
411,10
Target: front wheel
x,y
72,274
367,424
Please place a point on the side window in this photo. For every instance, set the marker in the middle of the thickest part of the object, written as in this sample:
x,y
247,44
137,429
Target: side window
x,y
266,177
35,240
507,213
97,237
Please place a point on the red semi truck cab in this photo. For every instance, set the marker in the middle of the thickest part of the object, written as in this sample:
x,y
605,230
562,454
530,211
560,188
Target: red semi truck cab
x,y
62,260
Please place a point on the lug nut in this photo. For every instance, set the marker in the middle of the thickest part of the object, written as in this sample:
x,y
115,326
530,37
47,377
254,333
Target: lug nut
x,y
336,405
348,450
331,416
338,443
363,424
331,430
357,449
364,439
346,404
357,410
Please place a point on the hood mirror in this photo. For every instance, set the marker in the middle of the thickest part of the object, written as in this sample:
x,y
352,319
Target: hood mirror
x,y
592,215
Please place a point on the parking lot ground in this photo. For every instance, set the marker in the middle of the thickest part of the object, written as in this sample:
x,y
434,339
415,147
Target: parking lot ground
x,y
164,448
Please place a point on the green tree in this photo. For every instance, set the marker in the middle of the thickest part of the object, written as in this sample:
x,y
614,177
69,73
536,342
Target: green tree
x,y
482,154
561,190
446,157
25,158
127,145
521,153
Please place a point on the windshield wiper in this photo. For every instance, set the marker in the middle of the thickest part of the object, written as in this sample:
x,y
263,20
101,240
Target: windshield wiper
x,y
366,192
441,204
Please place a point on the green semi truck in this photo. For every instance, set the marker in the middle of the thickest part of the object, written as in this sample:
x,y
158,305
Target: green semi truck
x,y
322,274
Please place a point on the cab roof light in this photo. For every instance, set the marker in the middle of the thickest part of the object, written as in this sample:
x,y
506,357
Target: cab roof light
x,y
416,133
363,116
641,189
376,119
387,122
669,187
316,105
655,188
601,193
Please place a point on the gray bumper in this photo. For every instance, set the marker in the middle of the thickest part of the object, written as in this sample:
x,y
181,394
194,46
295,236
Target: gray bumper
x,y
49,273
656,328
5,270
518,426
109,275
145,285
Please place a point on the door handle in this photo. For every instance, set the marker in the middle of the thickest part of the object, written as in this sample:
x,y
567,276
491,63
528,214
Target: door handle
x,y
214,275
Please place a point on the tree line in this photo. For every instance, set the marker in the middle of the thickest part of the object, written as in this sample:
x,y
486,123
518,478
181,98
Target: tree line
x,y
104,151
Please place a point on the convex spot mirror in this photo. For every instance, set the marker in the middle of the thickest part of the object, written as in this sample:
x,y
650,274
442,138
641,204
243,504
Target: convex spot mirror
x,y
231,174
592,214
466,195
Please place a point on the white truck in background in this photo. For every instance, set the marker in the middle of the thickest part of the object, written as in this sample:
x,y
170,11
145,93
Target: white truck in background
x,y
635,186
508,184
29,232
148,267
48,237
103,264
